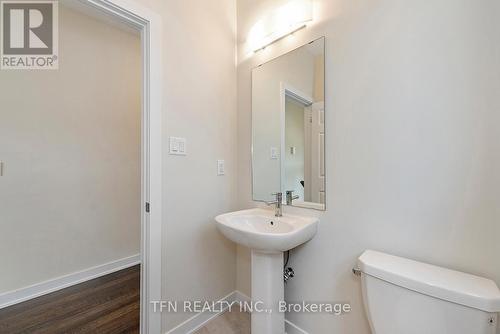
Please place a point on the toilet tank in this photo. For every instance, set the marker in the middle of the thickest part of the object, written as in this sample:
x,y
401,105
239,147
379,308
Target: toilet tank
x,y
402,296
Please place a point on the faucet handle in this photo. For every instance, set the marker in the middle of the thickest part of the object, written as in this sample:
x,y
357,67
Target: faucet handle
x,y
278,202
290,197
279,198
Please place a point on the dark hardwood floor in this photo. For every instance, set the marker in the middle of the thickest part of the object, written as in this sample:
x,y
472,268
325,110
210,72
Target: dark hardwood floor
x,y
106,305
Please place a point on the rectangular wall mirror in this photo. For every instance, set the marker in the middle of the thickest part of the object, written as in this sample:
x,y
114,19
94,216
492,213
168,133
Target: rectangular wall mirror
x,y
288,128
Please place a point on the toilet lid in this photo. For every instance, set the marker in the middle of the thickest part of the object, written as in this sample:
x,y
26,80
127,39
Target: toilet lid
x,y
454,286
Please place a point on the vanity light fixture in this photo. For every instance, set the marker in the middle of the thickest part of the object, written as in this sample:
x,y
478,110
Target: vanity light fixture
x,y
280,23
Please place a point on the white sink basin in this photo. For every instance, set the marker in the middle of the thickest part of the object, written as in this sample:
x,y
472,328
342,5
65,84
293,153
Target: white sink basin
x,y
259,229
268,237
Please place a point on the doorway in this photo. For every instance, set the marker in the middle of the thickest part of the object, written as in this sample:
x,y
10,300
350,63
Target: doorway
x,y
65,185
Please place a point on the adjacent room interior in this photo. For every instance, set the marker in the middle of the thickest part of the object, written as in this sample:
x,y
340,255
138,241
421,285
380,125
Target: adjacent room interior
x,y
70,200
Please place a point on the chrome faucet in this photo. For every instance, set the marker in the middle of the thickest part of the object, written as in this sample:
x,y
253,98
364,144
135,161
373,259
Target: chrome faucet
x,y
279,200
290,197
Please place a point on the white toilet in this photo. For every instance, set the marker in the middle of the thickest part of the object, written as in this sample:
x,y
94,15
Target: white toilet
x,y
407,297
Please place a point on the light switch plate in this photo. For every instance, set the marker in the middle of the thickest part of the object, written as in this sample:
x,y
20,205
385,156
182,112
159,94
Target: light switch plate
x,y
178,146
274,153
221,168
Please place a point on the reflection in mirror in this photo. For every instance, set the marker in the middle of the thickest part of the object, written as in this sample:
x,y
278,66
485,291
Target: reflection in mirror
x,y
288,130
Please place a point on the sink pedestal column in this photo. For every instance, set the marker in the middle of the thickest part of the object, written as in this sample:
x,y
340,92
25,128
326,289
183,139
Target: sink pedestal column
x,y
268,289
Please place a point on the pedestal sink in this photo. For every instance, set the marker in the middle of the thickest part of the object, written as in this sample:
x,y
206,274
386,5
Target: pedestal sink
x,y
268,237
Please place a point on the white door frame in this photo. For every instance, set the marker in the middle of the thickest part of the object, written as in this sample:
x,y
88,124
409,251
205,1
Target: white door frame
x,y
149,24
288,90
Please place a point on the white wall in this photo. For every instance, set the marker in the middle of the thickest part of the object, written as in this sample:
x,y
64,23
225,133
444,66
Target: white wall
x,y
413,148
200,99
199,76
70,142
319,78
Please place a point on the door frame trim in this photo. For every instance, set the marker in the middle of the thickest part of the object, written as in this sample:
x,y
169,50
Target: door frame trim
x,y
150,26
288,90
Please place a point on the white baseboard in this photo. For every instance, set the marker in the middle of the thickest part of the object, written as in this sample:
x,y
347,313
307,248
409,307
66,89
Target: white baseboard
x,y
241,297
290,328
36,290
201,319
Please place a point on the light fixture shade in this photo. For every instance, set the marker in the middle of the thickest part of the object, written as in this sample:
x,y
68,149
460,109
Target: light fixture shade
x,y
281,22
